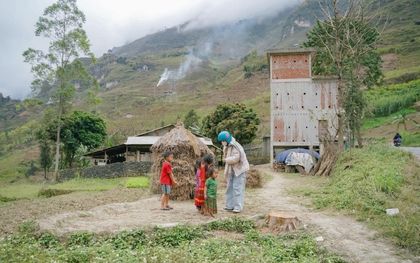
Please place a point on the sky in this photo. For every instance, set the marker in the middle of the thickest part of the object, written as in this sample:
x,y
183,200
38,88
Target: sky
x,y
109,24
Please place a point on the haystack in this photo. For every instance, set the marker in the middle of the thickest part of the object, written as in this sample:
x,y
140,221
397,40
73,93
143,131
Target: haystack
x,y
254,178
186,148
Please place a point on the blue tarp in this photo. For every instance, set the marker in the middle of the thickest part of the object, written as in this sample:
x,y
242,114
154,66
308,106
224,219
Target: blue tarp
x,y
281,157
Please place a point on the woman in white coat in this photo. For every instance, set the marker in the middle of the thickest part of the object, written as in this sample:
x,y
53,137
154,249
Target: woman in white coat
x,y
236,166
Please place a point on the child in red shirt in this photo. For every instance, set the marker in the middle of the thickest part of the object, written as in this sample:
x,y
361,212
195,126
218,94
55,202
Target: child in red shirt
x,y
167,180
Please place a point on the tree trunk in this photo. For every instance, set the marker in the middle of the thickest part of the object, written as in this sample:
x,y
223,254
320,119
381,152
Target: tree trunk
x,y
358,133
327,160
57,148
280,221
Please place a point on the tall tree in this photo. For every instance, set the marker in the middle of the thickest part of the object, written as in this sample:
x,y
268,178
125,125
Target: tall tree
x,y
346,41
60,67
240,121
45,157
191,119
79,129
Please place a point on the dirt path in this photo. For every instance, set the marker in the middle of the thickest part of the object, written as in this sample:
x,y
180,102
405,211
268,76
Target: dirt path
x,y
341,234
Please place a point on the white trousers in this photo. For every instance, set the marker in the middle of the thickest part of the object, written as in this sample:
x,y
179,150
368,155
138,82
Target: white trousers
x,y
235,192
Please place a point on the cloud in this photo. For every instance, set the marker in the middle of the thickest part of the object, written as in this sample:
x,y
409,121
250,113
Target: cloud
x,y
110,24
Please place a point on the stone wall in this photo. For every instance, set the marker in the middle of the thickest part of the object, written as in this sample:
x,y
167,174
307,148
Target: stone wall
x,y
113,170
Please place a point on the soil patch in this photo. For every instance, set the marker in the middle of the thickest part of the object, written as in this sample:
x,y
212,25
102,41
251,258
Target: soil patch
x,y
122,208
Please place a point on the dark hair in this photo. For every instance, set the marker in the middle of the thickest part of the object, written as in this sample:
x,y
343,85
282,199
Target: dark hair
x,y
210,172
197,164
208,158
208,161
166,154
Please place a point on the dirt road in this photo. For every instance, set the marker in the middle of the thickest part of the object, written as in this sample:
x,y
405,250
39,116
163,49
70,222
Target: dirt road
x,y
341,234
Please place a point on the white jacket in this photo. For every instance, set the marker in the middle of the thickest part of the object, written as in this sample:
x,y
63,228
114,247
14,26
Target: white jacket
x,y
235,158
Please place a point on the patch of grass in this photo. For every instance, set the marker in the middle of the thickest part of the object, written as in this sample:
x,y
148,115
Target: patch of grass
x,y
53,192
401,71
381,177
26,189
234,224
21,190
371,123
387,100
137,182
411,139
90,184
177,244
11,166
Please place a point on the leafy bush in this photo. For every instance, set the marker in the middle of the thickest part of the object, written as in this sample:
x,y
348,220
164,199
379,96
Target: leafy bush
x,y
176,235
137,182
81,239
234,224
48,239
129,239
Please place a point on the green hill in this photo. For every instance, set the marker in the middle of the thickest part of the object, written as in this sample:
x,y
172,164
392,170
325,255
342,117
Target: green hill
x,y
207,67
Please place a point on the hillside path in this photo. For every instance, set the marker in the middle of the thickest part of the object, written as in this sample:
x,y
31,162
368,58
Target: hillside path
x,y
341,233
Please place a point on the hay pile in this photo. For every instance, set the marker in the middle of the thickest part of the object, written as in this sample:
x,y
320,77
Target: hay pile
x,y
186,148
254,178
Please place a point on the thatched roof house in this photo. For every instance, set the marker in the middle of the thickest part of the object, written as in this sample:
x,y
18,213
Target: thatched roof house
x,y
186,148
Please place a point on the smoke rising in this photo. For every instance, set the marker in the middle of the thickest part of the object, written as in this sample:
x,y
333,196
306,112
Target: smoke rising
x,y
174,75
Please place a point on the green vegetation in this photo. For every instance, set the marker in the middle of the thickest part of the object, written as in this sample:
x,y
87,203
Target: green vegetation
x,y
387,100
411,139
137,182
57,70
177,244
371,123
368,182
240,121
25,189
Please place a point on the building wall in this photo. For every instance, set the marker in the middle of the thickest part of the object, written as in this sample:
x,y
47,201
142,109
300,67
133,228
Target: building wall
x,y
301,107
296,108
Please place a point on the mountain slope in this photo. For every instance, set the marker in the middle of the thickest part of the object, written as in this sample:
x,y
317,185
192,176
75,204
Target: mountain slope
x,y
206,66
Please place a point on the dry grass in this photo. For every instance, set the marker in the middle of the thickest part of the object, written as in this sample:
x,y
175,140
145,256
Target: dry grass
x,y
186,148
254,178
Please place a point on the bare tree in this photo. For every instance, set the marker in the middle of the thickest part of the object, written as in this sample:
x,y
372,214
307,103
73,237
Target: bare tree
x,y
346,38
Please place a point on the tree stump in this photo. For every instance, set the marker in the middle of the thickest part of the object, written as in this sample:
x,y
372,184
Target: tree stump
x,y
300,169
289,169
277,220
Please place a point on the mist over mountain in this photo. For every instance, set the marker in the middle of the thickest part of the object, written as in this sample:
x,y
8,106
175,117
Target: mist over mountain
x,y
196,61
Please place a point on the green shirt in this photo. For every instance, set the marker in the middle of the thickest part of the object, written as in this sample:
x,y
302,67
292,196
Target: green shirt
x,y
211,185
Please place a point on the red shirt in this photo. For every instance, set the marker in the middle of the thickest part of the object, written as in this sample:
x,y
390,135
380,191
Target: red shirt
x,y
164,174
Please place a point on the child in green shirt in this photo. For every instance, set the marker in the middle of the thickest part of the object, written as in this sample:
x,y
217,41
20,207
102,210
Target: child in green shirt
x,y
210,203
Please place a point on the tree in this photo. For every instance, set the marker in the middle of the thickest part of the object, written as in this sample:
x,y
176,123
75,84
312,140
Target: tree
x,y
346,42
191,119
60,67
45,157
402,119
240,121
80,129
